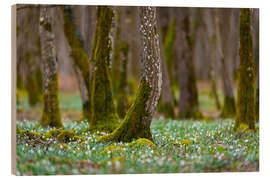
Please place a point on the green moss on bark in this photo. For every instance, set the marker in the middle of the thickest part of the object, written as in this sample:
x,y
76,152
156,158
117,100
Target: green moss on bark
x,y
78,54
246,75
51,112
133,126
103,114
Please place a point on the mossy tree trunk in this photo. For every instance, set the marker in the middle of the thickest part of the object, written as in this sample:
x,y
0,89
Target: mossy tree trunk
x,y
137,121
103,113
188,105
225,54
208,22
255,35
51,112
246,76
79,56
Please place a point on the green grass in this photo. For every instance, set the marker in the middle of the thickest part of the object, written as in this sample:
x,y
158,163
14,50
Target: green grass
x,y
182,146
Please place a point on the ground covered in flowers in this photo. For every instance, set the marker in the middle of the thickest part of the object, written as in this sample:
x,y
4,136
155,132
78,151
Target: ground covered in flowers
x,y
179,146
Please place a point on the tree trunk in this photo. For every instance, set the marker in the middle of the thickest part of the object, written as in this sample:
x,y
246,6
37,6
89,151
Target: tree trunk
x,y
255,34
79,56
137,121
119,65
51,113
225,57
188,105
246,76
210,29
30,53
167,101
103,114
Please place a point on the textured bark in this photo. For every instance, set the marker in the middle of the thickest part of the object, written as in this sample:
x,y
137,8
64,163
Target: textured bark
x,y
79,56
103,113
51,113
188,105
225,55
137,121
246,76
208,21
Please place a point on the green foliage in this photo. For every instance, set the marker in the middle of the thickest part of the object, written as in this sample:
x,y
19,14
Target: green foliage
x,y
181,146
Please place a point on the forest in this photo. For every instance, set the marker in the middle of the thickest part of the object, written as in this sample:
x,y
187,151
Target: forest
x,y
132,90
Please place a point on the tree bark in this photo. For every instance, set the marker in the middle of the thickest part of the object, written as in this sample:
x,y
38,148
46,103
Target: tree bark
x,y
188,105
103,113
79,56
137,121
246,76
225,55
51,112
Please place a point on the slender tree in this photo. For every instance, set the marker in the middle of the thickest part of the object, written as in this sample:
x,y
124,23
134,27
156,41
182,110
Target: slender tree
x,y
188,105
224,38
167,101
79,56
51,113
246,76
29,53
211,36
137,121
119,64
103,113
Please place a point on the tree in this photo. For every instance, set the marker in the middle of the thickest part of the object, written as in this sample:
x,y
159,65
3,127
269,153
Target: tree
x,y
51,113
79,56
103,113
119,64
246,76
29,53
137,121
208,22
224,37
167,101
188,105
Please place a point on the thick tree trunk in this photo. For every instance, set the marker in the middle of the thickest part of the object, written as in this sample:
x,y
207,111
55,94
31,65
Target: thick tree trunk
x,y
103,113
51,113
246,76
188,106
79,56
137,121
210,29
225,57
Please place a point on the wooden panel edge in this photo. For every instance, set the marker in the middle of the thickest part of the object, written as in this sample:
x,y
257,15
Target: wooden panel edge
x,y
13,88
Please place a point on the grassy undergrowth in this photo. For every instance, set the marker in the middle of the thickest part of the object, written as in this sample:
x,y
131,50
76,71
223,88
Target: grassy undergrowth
x,y
180,146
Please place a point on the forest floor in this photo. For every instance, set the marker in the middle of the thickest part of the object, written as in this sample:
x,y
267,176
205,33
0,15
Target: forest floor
x,y
180,146
205,145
